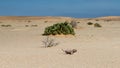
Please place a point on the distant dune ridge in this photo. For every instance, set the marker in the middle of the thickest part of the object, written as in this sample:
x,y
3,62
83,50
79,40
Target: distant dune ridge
x,y
112,18
30,17
34,18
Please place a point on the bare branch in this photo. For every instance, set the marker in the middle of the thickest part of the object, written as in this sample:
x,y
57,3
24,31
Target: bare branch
x,y
49,42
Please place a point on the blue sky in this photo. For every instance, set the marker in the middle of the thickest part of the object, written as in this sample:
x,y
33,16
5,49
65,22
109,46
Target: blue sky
x,y
69,8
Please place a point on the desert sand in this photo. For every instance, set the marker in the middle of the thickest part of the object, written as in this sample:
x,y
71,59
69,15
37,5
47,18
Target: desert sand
x,y
21,43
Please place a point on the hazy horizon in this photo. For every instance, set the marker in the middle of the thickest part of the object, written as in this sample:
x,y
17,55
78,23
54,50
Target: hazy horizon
x,y
67,8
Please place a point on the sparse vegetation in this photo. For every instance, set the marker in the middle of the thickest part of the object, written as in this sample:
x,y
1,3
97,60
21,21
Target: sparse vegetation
x,y
29,21
108,20
6,25
26,25
31,25
49,42
96,20
74,24
59,28
45,21
34,25
90,23
97,25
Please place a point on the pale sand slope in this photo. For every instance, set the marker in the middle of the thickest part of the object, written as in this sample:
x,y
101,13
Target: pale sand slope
x,y
21,47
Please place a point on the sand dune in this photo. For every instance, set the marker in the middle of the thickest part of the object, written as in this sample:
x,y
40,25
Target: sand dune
x,y
21,46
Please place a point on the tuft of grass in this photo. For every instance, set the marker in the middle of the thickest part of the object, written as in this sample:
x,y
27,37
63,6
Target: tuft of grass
x,y
26,25
45,21
34,25
29,21
96,20
108,20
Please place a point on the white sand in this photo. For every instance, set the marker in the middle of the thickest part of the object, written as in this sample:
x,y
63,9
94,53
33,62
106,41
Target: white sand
x,y
21,47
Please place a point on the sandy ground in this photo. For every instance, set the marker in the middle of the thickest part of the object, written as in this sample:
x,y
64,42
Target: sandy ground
x,y
21,47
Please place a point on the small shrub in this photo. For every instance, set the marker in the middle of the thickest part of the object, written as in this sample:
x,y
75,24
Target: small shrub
x,y
108,20
49,42
90,23
73,24
59,28
6,25
2,25
34,25
45,21
29,21
26,25
97,25
96,20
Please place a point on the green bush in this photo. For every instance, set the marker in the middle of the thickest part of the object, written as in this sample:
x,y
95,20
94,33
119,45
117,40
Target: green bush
x,y
59,28
97,25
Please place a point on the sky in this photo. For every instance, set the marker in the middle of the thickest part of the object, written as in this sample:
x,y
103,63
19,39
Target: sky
x,y
67,8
